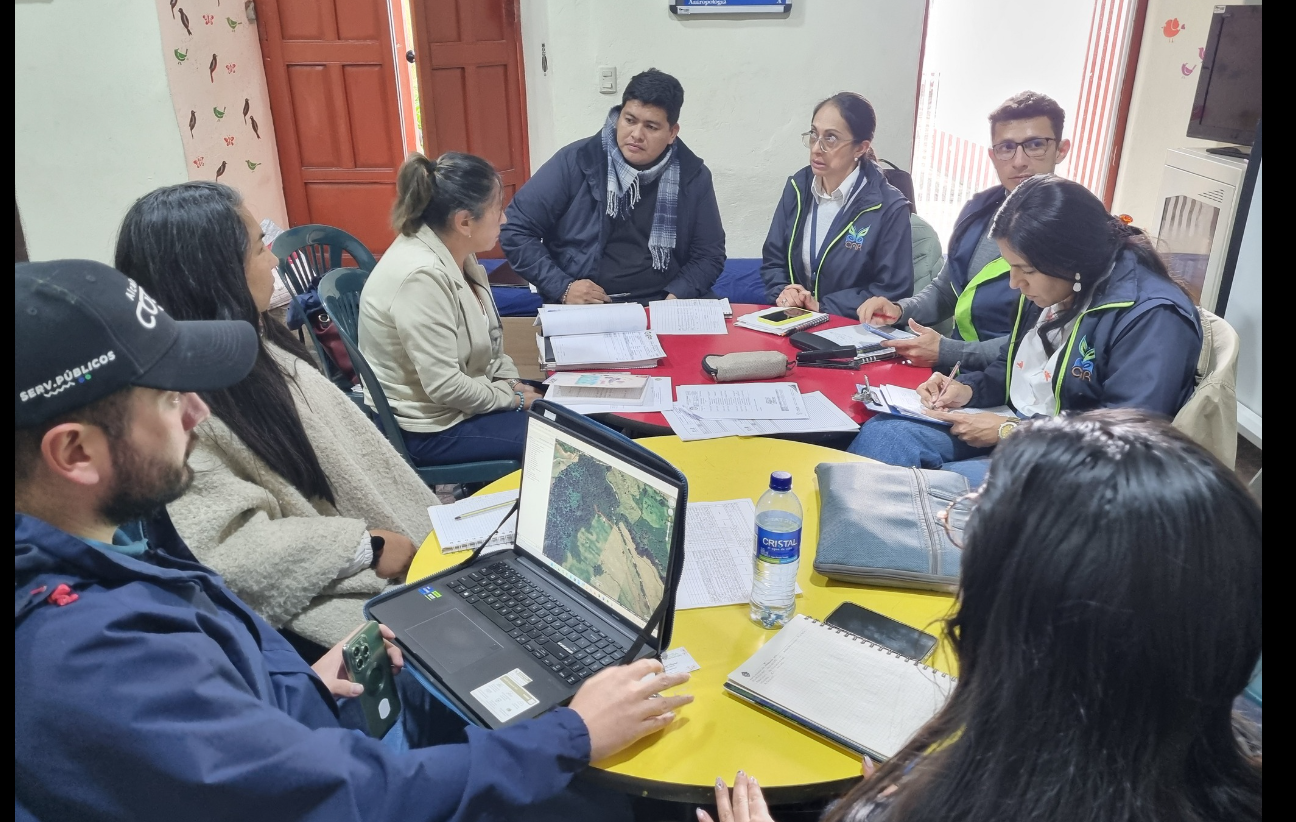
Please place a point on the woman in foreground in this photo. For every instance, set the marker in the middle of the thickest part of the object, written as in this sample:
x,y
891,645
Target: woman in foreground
x,y
1109,613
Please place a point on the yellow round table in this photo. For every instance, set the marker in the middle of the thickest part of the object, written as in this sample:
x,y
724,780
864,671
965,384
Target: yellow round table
x,y
718,734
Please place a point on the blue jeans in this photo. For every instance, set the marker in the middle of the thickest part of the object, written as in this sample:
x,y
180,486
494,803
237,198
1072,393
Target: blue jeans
x,y
497,436
914,444
425,721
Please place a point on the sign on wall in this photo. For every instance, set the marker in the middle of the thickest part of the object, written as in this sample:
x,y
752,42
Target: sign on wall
x,y
731,6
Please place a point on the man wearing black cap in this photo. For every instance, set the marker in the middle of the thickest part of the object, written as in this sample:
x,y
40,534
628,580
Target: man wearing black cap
x,y
144,689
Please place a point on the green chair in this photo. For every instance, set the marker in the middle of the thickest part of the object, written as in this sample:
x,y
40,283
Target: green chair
x,y
308,252
340,293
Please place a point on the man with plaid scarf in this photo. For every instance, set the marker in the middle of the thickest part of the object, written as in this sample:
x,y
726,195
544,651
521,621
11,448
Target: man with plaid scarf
x,y
629,214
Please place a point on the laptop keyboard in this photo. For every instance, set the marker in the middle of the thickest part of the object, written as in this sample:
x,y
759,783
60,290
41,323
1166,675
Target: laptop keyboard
x,y
563,642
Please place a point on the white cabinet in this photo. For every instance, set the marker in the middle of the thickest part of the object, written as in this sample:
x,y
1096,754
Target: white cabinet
x,y
1198,202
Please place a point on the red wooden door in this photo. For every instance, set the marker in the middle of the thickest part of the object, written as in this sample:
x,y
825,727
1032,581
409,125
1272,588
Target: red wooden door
x,y
469,60
332,83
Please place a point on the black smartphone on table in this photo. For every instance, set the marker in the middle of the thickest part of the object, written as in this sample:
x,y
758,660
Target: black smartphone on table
x,y
785,316
365,657
882,630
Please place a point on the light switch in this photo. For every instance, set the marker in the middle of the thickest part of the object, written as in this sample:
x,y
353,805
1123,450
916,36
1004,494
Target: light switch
x,y
607,80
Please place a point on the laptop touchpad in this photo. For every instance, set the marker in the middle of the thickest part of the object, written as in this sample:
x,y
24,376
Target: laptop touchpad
x,y
453,641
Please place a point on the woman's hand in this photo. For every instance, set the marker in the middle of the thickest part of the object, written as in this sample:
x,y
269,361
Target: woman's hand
x,y
747,805
332,669
397,554
794,296
980,430
877,311
921,350
529,394
956,395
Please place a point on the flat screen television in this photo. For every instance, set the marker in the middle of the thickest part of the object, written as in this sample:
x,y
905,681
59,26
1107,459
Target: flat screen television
x,y
1227,105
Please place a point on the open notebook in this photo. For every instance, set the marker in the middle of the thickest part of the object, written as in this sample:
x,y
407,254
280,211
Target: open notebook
x,y
860,695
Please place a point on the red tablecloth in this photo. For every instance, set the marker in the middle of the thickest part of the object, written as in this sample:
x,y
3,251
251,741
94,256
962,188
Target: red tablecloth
x,y
683,364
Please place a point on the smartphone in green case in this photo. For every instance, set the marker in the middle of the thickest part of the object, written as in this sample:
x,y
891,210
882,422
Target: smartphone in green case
x,y
365,657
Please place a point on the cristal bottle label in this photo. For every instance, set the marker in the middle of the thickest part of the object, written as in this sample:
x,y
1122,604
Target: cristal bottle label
x,y
778,546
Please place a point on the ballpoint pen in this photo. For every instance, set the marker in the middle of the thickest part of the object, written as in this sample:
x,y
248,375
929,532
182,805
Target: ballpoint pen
x,y
484,510
953,373
616,296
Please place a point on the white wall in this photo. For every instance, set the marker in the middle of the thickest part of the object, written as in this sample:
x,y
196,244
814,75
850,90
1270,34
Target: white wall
x,y
749,84
94,126
1161,103
1244,314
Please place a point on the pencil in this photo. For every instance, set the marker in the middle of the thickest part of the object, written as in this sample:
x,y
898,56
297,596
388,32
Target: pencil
x,y
953,373
484,510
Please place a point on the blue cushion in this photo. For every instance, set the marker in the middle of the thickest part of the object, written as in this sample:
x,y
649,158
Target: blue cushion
x,y
740,281
516,301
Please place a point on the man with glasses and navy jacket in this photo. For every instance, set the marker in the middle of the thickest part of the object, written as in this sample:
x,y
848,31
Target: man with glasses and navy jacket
x,y
1026,139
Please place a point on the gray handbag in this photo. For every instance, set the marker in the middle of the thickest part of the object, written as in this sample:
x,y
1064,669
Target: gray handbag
x,y
880,525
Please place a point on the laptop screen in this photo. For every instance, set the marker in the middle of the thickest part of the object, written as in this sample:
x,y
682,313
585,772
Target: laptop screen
x,y
597,520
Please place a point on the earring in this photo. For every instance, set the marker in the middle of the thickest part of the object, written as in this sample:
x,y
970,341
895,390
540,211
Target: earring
x,y
1076,287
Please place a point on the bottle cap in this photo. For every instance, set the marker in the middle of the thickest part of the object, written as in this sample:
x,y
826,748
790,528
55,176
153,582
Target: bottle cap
x,y
780,481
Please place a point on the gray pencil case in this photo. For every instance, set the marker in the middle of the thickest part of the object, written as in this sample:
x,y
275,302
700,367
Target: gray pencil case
x,y
880,525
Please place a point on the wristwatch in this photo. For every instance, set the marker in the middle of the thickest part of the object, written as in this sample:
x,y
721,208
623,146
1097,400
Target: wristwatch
x,y
1007,428
512,384
376,544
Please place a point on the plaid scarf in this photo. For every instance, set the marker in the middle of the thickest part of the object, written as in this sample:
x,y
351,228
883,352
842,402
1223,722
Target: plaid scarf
x,y
623,182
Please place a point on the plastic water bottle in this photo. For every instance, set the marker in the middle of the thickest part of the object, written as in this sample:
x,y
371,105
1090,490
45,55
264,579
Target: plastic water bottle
x,y
778,553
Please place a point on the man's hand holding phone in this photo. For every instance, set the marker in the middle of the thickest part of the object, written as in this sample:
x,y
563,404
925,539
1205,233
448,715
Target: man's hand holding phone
x,y
332,667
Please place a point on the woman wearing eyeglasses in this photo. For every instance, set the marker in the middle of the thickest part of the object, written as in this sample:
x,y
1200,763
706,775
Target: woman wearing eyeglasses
x,y
1108,617
840,234
1102,325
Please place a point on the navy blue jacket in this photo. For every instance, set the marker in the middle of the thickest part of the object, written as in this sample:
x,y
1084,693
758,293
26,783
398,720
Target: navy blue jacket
x,y
994,302
870,252
557,223
157,695
1135,346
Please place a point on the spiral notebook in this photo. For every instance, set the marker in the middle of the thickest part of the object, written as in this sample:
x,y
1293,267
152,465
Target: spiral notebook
x,y
852,692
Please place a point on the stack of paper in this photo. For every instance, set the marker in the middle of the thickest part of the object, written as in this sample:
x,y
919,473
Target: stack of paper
x,y
585,352
657,397
689,316
859,336
597,389
905,402
761,320
821,416
465,524
562,320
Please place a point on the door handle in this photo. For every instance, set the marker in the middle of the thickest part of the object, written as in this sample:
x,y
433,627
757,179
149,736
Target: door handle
x,y
409,56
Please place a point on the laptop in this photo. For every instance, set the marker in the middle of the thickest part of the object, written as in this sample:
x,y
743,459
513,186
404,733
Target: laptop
x,y
589,581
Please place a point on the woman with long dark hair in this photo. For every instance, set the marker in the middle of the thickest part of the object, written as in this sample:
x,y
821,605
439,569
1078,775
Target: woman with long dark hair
x,y
297,500
1109,613
1103,326
429,325
840,234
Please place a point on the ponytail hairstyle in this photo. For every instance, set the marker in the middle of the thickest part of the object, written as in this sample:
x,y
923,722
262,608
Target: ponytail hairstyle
x,y
431,192
1064,230
856,111
187,246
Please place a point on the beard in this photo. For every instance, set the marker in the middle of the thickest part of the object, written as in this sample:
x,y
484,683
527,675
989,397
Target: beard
x,y
146,483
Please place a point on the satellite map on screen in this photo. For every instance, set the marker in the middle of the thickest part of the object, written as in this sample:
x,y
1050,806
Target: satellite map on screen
x,y
608,528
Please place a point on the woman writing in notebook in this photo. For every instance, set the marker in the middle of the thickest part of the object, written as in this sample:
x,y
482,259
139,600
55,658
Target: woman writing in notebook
x,y
1104,326
297,500
428,323
840,234
1109,613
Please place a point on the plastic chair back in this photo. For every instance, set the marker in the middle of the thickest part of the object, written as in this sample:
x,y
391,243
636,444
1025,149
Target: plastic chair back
x,y
334,295
308,252
344,285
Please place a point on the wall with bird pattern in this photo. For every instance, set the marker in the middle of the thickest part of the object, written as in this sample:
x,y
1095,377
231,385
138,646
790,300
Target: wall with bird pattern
x,y
218,87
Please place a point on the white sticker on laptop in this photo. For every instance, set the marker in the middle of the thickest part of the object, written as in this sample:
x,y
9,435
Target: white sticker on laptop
x,y
506,696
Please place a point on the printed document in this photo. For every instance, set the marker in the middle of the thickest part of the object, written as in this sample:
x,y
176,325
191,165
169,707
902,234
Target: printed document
x,y
905,402
857,335
744,401
618,348
688,317
657,397
719,543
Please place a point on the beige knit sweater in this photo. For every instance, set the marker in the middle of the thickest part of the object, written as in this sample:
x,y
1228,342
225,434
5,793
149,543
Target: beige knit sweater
x,y
282,552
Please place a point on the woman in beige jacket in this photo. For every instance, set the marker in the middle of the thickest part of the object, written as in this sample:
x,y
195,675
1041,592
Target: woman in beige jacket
x,y
297,500
429,326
